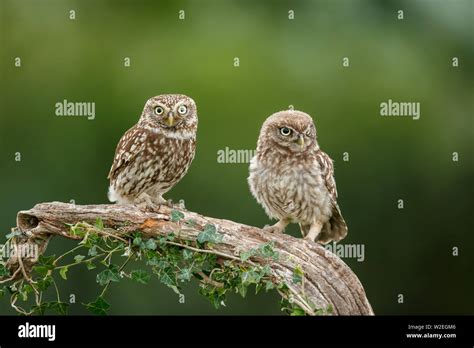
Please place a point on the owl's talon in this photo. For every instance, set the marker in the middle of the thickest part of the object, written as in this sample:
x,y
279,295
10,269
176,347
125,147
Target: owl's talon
x,y
273,229
279,227
148,207
152,209
146,203
180,205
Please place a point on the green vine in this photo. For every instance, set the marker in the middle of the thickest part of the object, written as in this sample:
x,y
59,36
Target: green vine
x,y
172,260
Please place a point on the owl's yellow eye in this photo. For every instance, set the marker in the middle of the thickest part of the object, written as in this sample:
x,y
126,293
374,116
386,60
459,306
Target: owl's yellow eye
x,y
285,131
182,109
159,110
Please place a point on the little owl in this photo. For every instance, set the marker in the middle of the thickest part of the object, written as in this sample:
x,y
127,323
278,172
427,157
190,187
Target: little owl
x,y
153,155
294,180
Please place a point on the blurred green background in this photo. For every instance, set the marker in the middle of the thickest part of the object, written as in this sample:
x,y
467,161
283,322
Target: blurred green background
x,y
282,62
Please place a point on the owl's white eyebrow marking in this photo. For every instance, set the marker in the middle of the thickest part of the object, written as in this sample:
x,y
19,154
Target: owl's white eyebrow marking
x,y
156,104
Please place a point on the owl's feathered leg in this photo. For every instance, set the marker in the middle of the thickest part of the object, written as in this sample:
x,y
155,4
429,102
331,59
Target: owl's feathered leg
x,y
169,202
145,202
159,200
314,231
157,197
304,229
279,227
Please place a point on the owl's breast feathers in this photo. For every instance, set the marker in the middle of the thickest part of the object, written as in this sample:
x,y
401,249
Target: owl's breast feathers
x,y
303,189
145,158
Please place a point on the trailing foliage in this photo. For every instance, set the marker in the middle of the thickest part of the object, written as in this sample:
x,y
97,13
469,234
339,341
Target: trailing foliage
x,y
172,260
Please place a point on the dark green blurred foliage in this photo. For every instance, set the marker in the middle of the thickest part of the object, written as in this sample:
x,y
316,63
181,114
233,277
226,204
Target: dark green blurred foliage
x,y
282,62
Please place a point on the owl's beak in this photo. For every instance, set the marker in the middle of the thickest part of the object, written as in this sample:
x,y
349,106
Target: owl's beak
x,y
300,140
170,120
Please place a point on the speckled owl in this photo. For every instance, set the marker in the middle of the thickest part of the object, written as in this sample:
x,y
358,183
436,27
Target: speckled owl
x,y
294,180
155,154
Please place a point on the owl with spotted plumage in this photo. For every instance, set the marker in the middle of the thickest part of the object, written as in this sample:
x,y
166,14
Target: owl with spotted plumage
x,y
294,180
155,154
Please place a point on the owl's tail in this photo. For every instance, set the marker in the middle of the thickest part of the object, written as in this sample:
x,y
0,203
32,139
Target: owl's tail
x,y
335,229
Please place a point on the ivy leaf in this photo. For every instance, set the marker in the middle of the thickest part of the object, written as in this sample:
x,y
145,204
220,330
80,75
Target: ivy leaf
x,y
98,307
150,244
187,254
176,215
185,274
63,272
59,307
46,261
329,309
3,291
298,275
162,264
269,285
24,291
242,289
108,275
77,231
216,296
168,278
137,241
99,224
244,256
90,265
266,270
154,261
297,311
209,234
266,251
140,276
250,277
41,270
44,283
93,251
4,272
44,265
79,258
41,309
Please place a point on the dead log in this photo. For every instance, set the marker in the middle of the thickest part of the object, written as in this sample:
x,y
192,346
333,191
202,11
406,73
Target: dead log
x,y
327,280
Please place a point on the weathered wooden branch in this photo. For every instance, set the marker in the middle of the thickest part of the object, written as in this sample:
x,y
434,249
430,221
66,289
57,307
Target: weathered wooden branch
x,y
327,279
